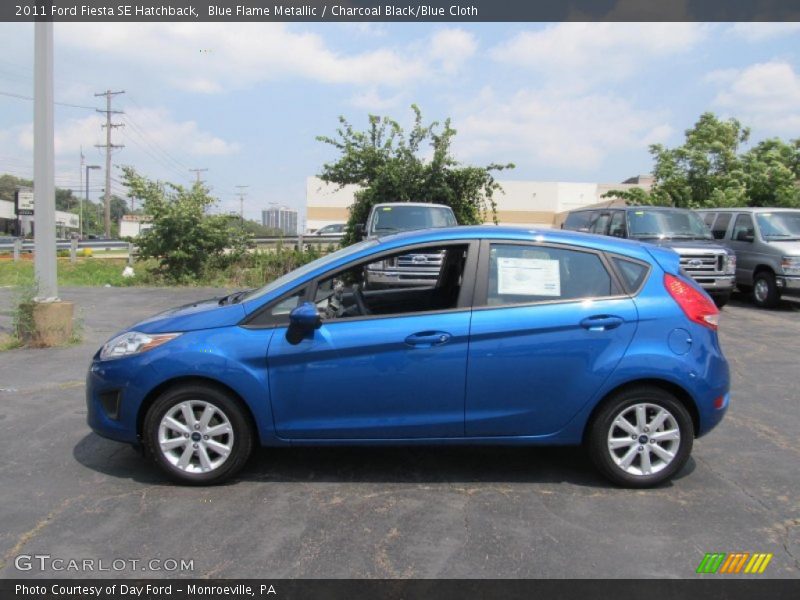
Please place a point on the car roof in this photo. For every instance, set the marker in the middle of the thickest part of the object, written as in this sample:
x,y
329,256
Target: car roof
x,y
524,234
751,209
627,208
410,204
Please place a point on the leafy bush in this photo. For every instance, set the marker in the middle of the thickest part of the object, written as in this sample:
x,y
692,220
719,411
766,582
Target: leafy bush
x,y
185,241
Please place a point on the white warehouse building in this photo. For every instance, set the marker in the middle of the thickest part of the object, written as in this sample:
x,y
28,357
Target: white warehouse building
x,y
526,203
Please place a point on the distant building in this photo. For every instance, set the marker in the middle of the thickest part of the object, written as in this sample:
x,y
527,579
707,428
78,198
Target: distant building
x,y
13,224
525,203
283,219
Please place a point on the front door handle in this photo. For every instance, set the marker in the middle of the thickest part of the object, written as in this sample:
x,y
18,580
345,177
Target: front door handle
x,y
602,322
428,339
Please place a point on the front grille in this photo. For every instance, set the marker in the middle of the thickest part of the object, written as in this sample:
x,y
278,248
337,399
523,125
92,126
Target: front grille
x,y
417,261
703,264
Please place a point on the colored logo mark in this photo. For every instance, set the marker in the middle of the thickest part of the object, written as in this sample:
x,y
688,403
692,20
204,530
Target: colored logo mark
x,y
735,562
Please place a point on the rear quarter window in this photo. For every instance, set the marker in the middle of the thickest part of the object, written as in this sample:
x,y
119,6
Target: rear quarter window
x,y
633,273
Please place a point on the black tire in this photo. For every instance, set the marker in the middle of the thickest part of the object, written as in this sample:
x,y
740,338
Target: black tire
x,y
765,291
228,407
605,422
721,299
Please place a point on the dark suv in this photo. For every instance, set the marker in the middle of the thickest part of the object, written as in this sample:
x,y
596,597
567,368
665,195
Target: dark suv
x,y
710,264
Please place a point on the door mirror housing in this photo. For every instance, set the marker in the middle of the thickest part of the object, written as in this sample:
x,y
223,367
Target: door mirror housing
x,y
302,320
745,236
361,230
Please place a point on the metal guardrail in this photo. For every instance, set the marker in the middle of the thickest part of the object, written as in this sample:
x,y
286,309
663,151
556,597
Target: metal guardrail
x,y
66,245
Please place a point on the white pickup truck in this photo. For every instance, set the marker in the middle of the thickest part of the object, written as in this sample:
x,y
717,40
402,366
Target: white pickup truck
x,y
412,269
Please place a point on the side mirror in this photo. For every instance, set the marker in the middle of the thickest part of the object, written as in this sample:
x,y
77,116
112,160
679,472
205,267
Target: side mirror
x,y
745,236
361,230
302,320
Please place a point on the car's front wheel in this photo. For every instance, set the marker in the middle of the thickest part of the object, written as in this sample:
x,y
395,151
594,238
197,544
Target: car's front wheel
x,y
641,437
765,291
199,435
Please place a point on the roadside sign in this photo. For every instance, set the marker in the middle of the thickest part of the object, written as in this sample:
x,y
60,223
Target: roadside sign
x,y
23,200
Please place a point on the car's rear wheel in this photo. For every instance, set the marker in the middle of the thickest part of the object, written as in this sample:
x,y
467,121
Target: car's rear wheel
x,y
765,291
641,437
198,435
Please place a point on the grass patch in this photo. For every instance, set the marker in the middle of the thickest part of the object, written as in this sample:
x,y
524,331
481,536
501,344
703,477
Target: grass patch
x,y
254,269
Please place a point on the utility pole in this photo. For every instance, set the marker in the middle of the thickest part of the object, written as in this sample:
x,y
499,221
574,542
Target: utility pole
x,y
44,189
109,147
242,194
197,172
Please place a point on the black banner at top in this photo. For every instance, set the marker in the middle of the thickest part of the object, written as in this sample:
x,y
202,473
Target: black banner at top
x,y
398,10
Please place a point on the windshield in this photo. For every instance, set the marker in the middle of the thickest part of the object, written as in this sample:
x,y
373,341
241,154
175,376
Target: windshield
x,y
307,268
779,225
389,219
667,224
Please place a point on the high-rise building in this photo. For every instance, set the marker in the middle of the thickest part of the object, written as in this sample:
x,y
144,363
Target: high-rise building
x,y
281,218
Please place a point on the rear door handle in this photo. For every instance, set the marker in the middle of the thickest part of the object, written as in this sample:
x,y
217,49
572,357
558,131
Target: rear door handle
x,y
602,322
427,339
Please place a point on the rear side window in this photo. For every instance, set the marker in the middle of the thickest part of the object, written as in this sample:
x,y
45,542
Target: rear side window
x,y
578,221
721,225
633,273
520,273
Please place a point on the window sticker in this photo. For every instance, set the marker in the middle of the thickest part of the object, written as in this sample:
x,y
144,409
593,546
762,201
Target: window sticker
x,y
528,277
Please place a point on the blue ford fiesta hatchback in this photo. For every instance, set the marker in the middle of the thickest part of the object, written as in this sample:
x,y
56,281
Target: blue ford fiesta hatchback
x,y
525,337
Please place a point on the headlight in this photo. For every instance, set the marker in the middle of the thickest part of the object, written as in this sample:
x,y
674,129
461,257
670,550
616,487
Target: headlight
x,y
791,265
134,342
730,264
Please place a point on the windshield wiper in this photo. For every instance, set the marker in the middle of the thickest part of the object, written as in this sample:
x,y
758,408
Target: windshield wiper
x,y
234,298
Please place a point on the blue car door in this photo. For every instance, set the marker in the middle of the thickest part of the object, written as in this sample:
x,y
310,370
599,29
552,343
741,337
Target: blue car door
x,y
552,328
383,376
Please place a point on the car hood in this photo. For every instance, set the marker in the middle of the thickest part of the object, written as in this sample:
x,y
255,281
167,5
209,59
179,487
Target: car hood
x,y
206,314
684,246
789,248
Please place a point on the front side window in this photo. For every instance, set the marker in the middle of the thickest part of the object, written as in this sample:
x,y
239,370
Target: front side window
x,y
434,277
617,226
743,227
521,273
600,223
578,221
708,219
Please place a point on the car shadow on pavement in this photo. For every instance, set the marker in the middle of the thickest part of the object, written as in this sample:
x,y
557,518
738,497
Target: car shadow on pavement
x,y
376,464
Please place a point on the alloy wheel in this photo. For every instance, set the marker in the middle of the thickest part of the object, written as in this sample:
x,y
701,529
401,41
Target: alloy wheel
x,y
195,436
643,439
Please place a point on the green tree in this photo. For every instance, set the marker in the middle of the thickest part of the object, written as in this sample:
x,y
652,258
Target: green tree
x,y
706,170
386,163
118,208
772,172
184,239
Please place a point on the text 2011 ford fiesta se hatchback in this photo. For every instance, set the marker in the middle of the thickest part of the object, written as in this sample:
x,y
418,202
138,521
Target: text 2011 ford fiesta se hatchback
x,y
525,337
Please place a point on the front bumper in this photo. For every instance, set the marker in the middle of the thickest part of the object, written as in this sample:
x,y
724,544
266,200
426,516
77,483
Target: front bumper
x,y
788,284
113,398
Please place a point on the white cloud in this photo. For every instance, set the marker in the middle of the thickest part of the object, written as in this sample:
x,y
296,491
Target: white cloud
x,y
372,101
452,47
759,32
211,57
597,51
764,95
554,129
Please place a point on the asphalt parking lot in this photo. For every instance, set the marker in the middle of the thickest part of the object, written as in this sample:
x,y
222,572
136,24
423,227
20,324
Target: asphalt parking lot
x,y
402,512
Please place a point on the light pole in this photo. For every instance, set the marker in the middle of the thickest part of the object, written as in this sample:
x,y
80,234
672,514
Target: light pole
x,y
87,193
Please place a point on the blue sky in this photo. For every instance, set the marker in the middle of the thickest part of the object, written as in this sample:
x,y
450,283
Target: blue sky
x,y
564,102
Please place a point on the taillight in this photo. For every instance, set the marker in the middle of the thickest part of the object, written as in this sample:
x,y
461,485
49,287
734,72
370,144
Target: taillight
x,y
697,306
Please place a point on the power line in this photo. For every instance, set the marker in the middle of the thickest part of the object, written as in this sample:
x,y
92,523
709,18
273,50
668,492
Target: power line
x,y
23,97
